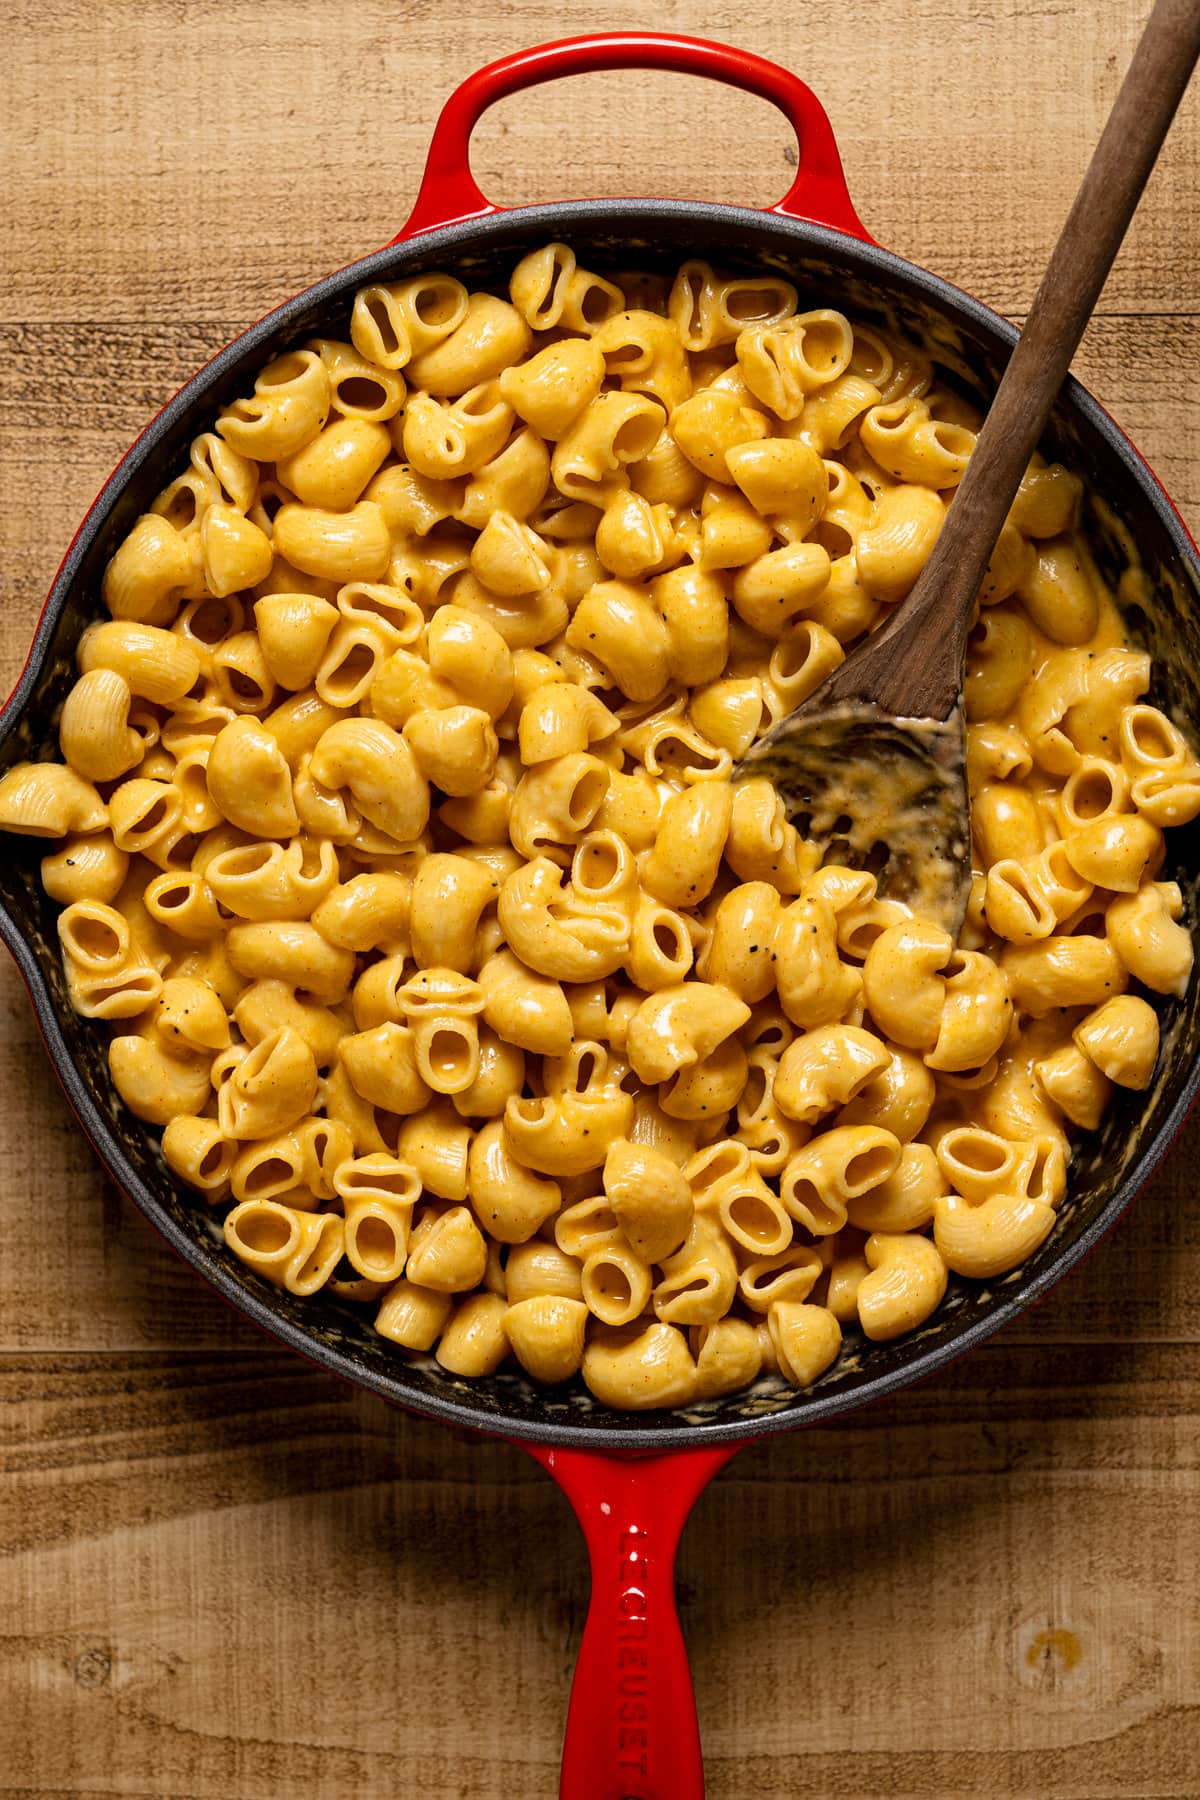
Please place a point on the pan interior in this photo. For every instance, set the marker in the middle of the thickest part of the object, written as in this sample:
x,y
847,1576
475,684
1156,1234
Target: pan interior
x,y
1143,550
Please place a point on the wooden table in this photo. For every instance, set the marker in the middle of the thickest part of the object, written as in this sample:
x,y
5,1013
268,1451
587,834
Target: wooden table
x,y
226,1576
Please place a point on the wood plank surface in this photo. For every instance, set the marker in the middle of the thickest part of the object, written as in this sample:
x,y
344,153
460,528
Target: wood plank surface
x,y
224,1576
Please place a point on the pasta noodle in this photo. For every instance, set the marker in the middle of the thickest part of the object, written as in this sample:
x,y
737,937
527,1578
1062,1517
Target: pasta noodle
x,y
397,843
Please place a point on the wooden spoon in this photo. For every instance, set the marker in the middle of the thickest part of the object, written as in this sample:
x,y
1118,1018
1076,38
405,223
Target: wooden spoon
x,y
873,763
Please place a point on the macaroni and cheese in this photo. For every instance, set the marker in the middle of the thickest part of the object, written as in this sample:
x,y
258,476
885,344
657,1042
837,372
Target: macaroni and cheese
x,y
399,853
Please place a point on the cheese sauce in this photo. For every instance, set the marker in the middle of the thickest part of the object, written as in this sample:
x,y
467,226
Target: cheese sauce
x,y
878,793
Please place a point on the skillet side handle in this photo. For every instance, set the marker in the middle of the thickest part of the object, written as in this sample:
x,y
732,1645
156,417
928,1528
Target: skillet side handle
x,y
631,1727
450,194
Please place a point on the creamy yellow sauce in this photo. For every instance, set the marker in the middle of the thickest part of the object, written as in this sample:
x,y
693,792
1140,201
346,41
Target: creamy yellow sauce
x,y
884,794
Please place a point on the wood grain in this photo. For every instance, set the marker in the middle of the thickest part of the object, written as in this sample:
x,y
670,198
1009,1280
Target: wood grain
x,y
224,1576
253,1580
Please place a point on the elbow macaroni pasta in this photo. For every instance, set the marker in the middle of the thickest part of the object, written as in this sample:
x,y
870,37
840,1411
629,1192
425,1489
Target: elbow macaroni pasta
x,y
396,842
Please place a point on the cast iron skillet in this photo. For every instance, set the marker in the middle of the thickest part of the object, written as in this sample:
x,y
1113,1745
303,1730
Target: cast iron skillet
x,y
631,1730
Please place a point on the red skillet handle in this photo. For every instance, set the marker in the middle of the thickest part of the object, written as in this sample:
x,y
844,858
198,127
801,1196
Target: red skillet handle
x,y
449,192
631,1728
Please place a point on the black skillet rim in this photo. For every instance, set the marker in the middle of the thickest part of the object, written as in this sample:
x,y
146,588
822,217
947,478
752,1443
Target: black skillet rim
x,y
559,220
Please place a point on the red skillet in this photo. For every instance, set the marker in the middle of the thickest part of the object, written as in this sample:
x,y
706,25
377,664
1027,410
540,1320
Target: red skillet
x,y
632,1479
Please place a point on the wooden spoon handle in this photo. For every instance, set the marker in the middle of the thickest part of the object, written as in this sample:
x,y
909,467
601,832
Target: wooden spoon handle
x,y
936,617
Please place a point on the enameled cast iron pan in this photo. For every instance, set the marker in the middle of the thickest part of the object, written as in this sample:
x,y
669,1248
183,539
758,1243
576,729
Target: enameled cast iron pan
x,y
632,1478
